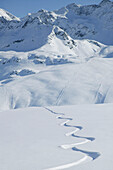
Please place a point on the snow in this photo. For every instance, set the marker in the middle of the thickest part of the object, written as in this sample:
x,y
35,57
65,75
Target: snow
x,y
44,77
56,89
94,22
6,15
65,137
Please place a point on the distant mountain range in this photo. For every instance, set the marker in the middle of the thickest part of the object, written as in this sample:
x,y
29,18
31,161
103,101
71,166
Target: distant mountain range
x,y
94,22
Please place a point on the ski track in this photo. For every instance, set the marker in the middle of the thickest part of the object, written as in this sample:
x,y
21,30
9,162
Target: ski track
x,y
74,76
88,155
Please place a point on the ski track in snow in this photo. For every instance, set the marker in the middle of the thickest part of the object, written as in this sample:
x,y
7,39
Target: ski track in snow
x,y
88,155
74,77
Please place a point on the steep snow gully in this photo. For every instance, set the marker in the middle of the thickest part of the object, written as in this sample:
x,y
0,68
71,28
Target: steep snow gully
x,y
88,155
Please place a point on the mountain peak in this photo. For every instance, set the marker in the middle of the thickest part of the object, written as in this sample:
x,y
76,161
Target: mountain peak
x,y
104,2
7,16
72,5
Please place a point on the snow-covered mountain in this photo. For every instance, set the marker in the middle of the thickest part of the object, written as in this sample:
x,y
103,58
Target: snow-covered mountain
x,y
5,15
32,47
61,61
93,22
47,77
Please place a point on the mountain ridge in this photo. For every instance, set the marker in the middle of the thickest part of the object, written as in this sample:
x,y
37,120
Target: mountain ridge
x,y
8,16
58,57
94,22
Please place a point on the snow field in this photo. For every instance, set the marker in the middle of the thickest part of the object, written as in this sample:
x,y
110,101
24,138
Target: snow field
x,y
35,138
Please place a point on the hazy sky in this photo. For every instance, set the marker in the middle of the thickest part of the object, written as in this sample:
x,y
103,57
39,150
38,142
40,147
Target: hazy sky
x,y
20,8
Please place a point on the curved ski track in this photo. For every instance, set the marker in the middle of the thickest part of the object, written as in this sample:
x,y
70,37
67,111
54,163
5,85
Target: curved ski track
x,y
88,155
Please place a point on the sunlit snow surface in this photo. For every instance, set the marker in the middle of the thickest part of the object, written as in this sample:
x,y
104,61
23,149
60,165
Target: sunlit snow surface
x,y
73,137
94,22
38,79
55,60
57,57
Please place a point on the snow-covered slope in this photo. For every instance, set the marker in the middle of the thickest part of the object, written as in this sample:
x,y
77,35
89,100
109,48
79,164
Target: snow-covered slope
x,y
40,78
32,47
7,16
70,137
94,22
57,58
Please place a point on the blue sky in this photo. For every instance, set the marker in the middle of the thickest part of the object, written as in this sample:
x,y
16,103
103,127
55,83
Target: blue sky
x,y
20,8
